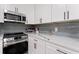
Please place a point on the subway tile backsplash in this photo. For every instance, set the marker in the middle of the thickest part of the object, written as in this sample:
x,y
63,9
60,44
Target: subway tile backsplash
x,y
13,27
64,29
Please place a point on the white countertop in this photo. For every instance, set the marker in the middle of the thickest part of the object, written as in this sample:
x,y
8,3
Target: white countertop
x,y
64,41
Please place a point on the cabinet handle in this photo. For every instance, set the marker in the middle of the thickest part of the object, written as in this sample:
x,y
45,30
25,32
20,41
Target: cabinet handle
x,y
67,14
64,15
35,40
35,46
16,9
40,20
61,51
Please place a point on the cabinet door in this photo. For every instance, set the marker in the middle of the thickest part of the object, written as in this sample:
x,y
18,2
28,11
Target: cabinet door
x,y
51,49
31,48
0,48
40,46
42,13
28,10
1,37
36,46
73,11
58,12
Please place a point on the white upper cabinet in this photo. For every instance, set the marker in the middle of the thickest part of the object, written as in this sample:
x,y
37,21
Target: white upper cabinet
x,y
28,10
42,13
73,11
58,12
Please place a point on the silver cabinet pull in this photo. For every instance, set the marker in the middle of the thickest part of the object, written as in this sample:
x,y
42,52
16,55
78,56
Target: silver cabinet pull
x,y
40,20
64,15
67,14
35,40
16,9
35,46
61,51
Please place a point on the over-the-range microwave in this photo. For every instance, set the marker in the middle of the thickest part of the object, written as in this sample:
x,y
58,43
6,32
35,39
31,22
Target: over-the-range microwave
x,y
14,16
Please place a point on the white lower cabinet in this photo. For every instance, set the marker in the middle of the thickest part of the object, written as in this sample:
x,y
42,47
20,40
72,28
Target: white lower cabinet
x,y
31,46
51,50
1,36
40,48
0,48
36,46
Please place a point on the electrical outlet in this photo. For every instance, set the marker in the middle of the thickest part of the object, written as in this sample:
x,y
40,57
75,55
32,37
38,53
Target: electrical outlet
x,y
56,29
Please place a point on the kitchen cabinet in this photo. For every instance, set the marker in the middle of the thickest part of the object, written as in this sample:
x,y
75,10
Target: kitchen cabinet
x,y
58,12
28,10
36,46
40,49
0,48
72,11
31,49
51,49
41,45
1,36
62,12
42,13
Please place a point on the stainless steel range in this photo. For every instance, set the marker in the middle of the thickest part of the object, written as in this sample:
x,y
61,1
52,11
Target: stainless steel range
x,y
15,43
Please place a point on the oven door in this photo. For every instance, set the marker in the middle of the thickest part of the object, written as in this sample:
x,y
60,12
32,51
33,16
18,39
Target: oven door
x,y
19,48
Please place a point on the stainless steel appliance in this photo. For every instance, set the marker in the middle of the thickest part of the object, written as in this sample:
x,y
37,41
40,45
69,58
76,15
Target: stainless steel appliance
x,y
14,16
15,43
